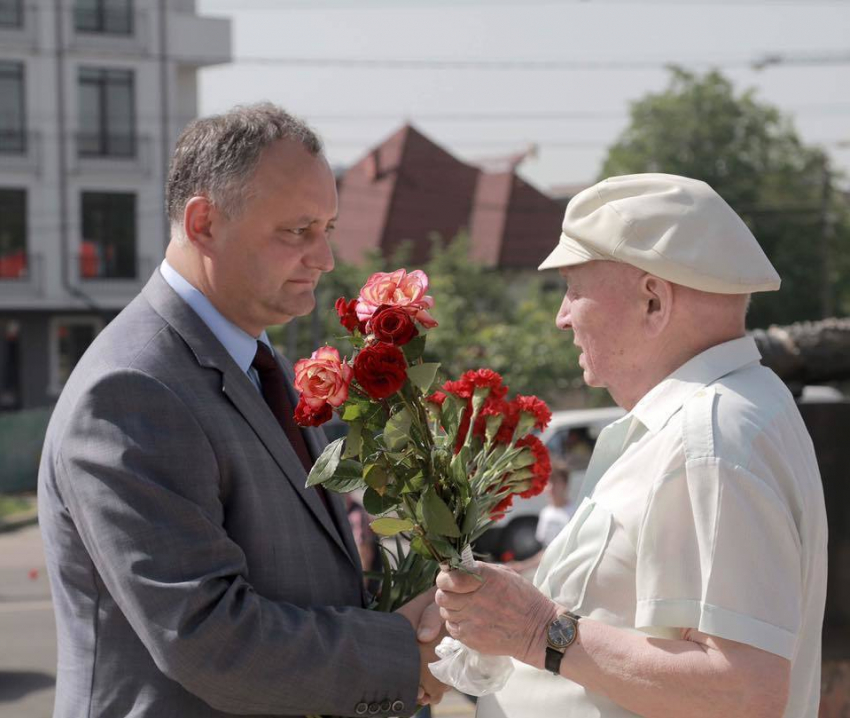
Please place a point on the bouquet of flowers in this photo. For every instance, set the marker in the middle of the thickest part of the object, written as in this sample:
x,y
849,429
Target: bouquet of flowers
x,y
438,461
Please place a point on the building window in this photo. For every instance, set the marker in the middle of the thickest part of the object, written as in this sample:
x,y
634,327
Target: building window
x,y
108,249
107,113
11,13
13,234
69,339
13,138
110,17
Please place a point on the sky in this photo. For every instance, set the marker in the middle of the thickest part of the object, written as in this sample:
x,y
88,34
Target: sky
x,y
489,78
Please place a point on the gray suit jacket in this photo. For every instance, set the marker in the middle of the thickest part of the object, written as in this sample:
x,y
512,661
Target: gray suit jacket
x,y
192,573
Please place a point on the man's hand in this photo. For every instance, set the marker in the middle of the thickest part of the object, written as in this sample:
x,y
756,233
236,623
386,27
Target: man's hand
x,y
424,616
497,612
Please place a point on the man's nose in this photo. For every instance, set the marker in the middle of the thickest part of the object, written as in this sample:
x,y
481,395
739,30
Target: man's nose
x,y
562,321
321,256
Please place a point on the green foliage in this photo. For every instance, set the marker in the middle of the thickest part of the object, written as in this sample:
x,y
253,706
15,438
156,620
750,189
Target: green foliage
x,y
752,155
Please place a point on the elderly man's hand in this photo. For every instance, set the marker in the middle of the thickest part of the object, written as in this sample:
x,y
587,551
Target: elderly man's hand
x,y
496,612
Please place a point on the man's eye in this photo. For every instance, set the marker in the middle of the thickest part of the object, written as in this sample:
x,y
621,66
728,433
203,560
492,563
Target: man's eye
x,y
298,231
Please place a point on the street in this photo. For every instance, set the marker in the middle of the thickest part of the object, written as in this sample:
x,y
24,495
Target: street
x,y
28,634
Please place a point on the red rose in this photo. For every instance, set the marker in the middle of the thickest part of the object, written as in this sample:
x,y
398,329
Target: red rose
x,y
392,325
347,315
380,369
306,415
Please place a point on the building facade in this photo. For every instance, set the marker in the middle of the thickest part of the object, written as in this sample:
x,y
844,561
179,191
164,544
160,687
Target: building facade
x,y
93,94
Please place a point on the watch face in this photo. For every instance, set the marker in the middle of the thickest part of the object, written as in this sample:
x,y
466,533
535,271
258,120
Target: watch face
x,y
562,632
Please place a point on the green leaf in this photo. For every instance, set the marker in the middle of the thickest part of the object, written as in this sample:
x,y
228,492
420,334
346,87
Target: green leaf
x,y
422,376
326,464
418,545
351,412
443,547
347,477
376,477
386,584
397,431
459,464
437,516
470,518
353,441
376,504
452,409
390,527
414,349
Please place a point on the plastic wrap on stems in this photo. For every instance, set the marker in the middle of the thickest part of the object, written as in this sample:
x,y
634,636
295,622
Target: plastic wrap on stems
x,y
466,670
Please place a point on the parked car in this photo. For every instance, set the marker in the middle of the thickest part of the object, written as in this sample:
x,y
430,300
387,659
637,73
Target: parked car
x,y
571,435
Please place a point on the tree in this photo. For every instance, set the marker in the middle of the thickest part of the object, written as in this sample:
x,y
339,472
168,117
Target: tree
x,y
752,155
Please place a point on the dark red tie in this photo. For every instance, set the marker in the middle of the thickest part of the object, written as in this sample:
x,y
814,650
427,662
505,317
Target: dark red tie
x,y
273,384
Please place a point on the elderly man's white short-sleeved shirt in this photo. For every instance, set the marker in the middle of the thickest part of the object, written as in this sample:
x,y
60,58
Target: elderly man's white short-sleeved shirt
x,y
703,508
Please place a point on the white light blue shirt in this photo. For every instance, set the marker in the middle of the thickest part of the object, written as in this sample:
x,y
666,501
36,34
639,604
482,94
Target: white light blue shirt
x,y
241,346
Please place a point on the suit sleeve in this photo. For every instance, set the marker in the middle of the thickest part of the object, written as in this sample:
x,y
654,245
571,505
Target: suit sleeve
x,y
141,481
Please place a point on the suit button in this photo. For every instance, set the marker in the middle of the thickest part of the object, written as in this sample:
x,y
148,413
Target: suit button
x,y
374,708
385,706
361,709
398,706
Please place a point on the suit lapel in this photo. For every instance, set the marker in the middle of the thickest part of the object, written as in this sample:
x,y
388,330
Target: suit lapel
x,y
239,390
316,443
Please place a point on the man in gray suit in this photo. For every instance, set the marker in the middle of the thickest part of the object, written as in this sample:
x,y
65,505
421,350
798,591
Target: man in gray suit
x,y
193,574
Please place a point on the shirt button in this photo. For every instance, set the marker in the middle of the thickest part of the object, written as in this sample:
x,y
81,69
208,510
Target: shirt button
x,y
398,706
361,709
386,705
374,708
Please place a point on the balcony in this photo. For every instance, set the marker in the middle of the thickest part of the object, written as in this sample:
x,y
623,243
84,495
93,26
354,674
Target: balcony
x,y
21,275
111,152
198,41
94,269
20,152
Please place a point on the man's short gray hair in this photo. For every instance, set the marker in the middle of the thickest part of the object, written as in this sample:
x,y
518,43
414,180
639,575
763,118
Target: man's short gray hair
x,y
216,156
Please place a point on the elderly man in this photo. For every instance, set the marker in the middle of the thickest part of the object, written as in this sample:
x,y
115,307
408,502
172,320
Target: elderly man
x,y
193,573
691,580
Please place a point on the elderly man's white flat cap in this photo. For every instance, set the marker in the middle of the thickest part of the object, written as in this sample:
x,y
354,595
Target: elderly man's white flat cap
x,y
674,227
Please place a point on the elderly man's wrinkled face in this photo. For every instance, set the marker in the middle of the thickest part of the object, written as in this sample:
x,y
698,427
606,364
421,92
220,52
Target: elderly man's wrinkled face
x,y
603,309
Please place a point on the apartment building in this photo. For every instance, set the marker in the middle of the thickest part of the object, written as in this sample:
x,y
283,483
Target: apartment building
x,y
93,94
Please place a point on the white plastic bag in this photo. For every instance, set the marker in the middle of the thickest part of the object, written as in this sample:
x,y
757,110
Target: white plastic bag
x,y
466,670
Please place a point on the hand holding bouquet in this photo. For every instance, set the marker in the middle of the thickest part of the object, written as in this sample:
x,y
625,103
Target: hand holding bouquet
x,y
438,461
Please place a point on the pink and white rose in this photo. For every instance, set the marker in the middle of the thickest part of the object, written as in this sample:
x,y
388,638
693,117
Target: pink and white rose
x,y
323,378
397,289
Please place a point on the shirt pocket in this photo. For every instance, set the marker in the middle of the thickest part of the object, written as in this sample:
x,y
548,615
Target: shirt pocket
x,y
575,555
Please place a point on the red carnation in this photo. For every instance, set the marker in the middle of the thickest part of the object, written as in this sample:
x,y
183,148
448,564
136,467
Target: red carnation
x,y
541,468
478,378
380,369
306,415
392,325
437,398
537,408
510,419
500,509
347,315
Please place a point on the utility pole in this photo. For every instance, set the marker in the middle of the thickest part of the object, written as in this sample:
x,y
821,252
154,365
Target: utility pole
x,y
826,227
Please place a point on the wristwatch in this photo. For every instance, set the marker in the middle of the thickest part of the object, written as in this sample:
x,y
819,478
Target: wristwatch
x,y
560,635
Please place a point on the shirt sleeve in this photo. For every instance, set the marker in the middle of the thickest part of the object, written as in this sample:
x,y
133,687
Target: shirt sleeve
x,y
719,552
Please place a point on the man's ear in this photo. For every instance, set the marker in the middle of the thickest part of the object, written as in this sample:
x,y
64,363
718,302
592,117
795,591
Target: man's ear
x,y
198,218
657,297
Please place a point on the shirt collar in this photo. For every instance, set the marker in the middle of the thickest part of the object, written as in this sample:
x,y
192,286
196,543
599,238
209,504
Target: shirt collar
x,y
241,346
656,408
